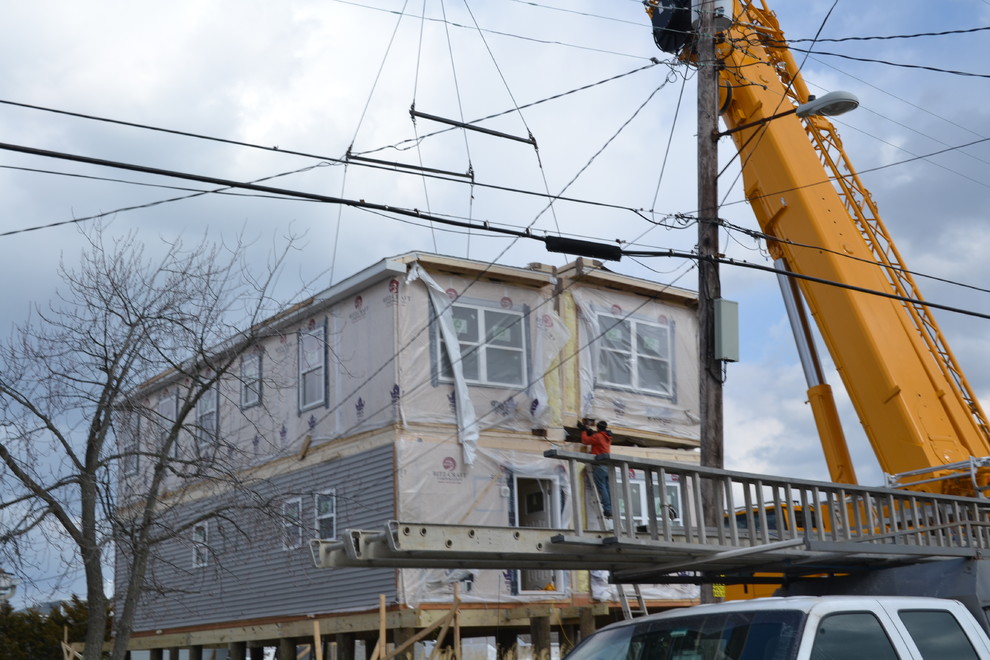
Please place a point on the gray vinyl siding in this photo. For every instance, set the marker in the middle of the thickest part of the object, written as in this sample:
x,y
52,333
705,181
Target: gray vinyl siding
x,y
250,575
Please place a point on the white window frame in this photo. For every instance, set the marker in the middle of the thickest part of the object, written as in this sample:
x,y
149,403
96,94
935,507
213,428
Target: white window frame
x,y
633,356
317,332
251,374
130,443
207,430
292,527
166,412
481,347
201,544
637,486
319,517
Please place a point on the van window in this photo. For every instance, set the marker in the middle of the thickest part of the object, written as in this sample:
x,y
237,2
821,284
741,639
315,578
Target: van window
x,y
937,635
850,636
758,635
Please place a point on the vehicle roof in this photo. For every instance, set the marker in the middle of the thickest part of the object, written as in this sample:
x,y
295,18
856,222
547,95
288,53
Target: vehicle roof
x,y
806,604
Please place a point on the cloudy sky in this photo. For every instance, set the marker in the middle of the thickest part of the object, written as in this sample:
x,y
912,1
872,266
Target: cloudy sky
x,y
316,78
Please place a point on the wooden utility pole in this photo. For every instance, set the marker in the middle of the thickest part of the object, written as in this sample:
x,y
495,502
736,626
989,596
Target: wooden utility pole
x,y
709,288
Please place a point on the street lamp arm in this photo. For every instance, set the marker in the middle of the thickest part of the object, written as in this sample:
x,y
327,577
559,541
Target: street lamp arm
x,y
828,105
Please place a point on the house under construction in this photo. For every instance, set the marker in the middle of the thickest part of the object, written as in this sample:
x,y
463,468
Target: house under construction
x,y
422,388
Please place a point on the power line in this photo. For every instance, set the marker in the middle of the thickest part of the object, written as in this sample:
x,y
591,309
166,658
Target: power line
x,y
228,183
889,37
499,33
776,239
553,243
146,205
273,193
810,278
896,64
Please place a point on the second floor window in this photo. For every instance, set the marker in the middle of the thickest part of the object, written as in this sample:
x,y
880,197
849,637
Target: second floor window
x,y
634,354
130,442
207,420
251,379
312,365
166,413
200,545
292,532
326,515
492,343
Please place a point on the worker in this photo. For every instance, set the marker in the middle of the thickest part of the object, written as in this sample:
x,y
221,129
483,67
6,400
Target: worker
x,y
600,442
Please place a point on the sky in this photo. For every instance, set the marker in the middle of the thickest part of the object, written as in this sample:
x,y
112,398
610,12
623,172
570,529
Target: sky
x,y
307,81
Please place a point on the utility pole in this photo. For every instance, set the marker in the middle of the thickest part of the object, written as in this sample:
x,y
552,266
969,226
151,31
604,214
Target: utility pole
x,y
709,288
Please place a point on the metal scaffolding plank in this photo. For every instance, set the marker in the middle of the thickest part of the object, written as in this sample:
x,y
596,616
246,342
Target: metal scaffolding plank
x,y
815,526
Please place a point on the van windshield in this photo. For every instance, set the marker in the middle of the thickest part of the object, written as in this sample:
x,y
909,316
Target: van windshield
x,y
756,635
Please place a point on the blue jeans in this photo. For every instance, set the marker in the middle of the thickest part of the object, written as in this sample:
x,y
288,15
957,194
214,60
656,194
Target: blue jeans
x,y
599,474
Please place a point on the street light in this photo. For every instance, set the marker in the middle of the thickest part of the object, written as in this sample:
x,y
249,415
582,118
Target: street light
x,y
832,104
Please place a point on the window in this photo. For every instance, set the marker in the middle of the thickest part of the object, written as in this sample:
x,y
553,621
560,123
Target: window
x,y
938,634
200,545
634,354
312,366
130,442
762,634
292,524
207,430
852,635
251,379
669,506
492,343
326,515
166,412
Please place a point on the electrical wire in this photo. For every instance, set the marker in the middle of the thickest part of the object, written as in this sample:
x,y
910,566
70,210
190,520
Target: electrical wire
x,y
460,114
547,42
940,117
902,65
836,40
759,235
522,118
146,205
809,278
415,127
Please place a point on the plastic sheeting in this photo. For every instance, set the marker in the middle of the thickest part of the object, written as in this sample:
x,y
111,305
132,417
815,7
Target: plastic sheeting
x,y
467,425
493,357
501,488
634,362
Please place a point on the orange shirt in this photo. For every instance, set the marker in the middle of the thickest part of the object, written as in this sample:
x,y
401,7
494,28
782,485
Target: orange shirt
x,y
600,442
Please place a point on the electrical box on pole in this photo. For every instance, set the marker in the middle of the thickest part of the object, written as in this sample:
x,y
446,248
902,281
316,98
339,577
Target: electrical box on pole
x,y
726,330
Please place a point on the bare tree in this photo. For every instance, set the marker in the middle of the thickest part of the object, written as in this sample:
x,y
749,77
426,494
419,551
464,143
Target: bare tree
x,y
68,410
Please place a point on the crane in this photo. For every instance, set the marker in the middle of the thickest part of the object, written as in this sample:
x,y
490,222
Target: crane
x,y
925,532
821,225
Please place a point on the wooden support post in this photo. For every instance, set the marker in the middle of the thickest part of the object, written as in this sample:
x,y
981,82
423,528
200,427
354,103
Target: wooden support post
x,y
237,651
195,653
506,641
287,648
380,646
345,646
457,622
156,654
569,638
586,622
173,653
403,647
255,652
317,653
539,630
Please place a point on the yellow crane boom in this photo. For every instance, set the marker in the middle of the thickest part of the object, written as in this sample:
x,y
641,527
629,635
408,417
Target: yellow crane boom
x,y
914,402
